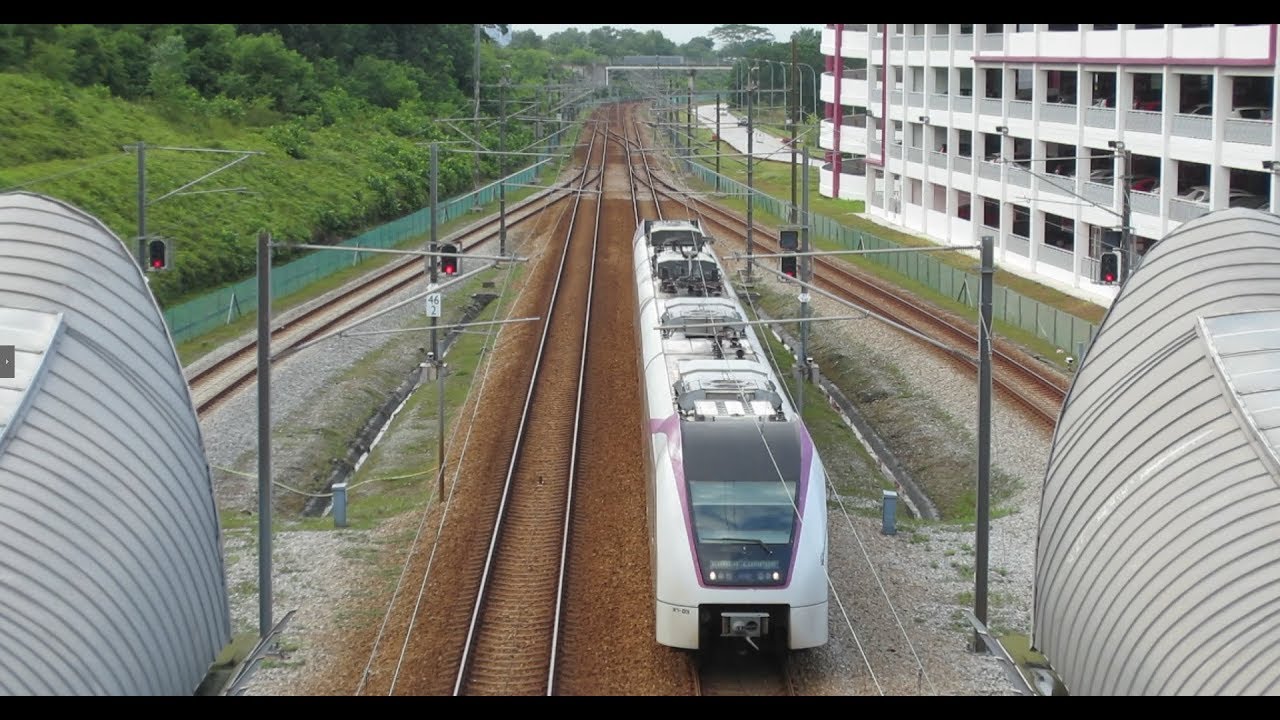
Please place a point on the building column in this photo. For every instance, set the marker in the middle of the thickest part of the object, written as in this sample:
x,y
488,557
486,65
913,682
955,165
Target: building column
x,y
1080,249
1170,102
1219,176
838,118
1275,141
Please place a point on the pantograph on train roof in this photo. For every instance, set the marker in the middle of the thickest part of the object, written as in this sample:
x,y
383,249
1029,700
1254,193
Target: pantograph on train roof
x,y
710,389
696,317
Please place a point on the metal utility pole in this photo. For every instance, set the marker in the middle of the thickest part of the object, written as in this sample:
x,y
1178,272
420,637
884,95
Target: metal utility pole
x,y
688,119
537,120
751,79
984,436
791,112
502,164
264,434
435,340
672,116
806,276
717,142
1126,236
475,166
142,205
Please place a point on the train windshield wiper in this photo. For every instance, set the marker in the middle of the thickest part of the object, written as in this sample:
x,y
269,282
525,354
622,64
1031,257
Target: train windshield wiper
x,y
758,541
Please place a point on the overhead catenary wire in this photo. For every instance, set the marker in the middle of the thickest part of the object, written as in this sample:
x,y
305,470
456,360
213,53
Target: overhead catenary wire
x,y
768,349
281,485
834,590
65,173
839,601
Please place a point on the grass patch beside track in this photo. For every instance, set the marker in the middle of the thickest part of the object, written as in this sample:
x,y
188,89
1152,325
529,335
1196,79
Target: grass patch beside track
x,y
400,473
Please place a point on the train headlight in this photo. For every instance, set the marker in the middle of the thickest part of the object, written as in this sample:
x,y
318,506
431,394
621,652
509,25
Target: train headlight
x,y
777,575
713,575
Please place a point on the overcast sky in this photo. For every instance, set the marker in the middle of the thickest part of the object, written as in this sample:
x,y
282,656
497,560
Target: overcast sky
x,y
678,34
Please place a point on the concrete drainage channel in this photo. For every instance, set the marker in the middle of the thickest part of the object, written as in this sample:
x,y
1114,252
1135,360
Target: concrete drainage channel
x,y
918,504
365,440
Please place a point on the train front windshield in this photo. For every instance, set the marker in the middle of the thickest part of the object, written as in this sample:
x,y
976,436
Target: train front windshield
x,y
742,489
755,510
743,530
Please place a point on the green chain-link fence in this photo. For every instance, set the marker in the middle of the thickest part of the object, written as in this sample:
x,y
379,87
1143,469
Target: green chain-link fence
x,y
207,312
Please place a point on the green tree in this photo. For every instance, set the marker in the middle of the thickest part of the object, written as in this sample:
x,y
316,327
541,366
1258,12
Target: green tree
x,y
605,41
524,40
168,79
52,60
208,55
129,71
261,66
92,55
700,48
740,39
567,41
384,82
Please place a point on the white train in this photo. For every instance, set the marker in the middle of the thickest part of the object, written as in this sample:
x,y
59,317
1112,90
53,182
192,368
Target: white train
x,y
736,491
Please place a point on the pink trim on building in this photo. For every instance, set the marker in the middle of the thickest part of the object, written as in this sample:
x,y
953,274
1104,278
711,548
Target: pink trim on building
x,y
884,97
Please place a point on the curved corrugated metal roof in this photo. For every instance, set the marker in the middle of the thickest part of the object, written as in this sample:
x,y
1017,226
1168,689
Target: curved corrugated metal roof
x,y
110,548
1158,558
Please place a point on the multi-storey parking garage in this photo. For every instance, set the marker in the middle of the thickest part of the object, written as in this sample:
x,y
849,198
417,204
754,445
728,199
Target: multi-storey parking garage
x,y
1021,132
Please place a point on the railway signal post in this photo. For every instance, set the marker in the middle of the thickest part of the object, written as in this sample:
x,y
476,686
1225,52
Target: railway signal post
x,y
806,275
751,88
434,359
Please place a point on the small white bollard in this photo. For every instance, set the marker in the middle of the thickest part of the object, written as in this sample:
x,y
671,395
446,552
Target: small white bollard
x,y
340,504
890,507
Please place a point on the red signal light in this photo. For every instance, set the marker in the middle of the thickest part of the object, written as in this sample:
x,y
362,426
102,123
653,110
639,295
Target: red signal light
x,y
449,259
158,254
1109,267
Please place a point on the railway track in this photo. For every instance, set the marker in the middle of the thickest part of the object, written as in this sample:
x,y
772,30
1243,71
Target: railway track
x,y
512,639
496,613
731,668
212,385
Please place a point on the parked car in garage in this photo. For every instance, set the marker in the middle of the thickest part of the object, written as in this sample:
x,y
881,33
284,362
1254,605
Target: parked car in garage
x,y
1244,112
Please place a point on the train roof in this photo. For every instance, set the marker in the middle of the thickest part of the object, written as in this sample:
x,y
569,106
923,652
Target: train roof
x,y
675,233
713,359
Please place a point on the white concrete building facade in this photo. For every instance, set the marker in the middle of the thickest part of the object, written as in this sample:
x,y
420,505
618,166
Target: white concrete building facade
x,y
1017,131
